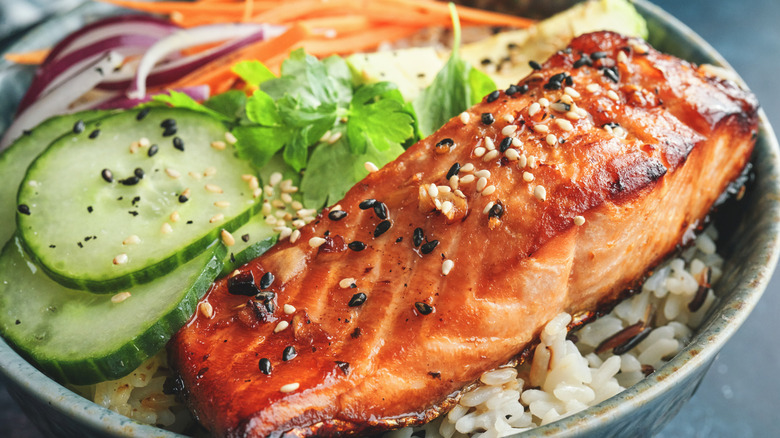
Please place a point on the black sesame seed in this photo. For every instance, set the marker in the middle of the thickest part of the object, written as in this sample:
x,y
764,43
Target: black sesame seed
x,y
178,143
356,245
356,333
265,366
139,173
90,209
129,181
94,134
245,237
337,215
488,119
382,228
523,88
496,211
289,353
584,60
493,96
611,74
454,170
357,299
242,283
368,203
141,114
505,143
512,90
265,296
418,236
343,366
569,81
399,240
485,61
23,209
423,308
183,198
380,209
78,127
107,175
167,123
535,65
445,143
152,150
267,280
552,85
428,247
598,55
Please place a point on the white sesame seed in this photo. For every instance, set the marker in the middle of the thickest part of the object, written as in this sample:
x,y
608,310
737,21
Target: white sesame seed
x,y
227,238
296,205
528,176
230,138
621,57
254,183
325,136
336,207
281,326
186,193
533,109
271,220
516,142
592,88
289,309
336,136
370,167
544,102
121,259
523,161
433,190
465,117
489,144
144,142
567,99
296,234
437,203
121,296
454,182
275,178
492,155
213,188
564,124
487,208
459,194
579,220
174,217
639,47
305,212
468,167
480,151
134,147
285,232
222,204
446,266
298,223
247,177
573,115
166,228
484,173
613,95
540,193
195,175
509,118
346,282
210,171
444,189
290,387
446,207
532,162
286,198
206,309
551,139
489,190
509,130
131,240
467,179
481,183
581,111
541,128
315,242
268,190
217,218
512,154
266,208
571,92
218,145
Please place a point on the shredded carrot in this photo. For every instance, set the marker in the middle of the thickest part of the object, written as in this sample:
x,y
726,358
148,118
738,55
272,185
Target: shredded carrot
x,y
357,42
236,10
34,57
339,24
466,14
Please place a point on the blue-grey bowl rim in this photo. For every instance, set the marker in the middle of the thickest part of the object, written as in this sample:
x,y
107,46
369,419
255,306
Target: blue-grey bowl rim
x,y
707,342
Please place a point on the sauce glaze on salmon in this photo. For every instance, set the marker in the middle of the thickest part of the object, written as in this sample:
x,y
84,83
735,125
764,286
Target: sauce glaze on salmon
x,y
590,173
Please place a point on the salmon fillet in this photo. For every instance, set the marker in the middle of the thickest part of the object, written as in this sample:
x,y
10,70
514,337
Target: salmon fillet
x,y
555,195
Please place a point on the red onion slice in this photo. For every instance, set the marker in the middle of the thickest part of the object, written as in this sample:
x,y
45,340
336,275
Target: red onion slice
x,y
58,101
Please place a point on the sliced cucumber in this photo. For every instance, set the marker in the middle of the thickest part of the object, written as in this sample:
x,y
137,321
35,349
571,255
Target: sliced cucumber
x,y
100,232
252,240
22,152
83,338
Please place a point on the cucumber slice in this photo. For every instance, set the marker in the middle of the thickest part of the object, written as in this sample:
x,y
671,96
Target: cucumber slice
x,y
22,152
252,240
82,338
89,233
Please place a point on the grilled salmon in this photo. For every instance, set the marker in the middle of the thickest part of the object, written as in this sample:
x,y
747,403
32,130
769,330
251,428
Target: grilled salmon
x,y
554,195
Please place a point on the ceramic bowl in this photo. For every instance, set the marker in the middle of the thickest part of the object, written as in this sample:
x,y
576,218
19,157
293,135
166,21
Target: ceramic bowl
x,y
751,254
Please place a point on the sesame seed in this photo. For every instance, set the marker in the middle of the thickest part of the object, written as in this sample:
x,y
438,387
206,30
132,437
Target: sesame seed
x,y
286,198
454,182
454,170
532,162
481,183
621,57
382,228
484,173
121,296
174,217
541,128
464,117
230,138
337,215
271,220
579,220
446,207
289,353
417,236
144,142
94,134
423,308
509,118
468,167
534,65
447,266
206,309
509,129
487,208
533,109
195,175
178,143
573,115
296,234
581,111
298,223
315,242
166,228
516,142
487,118
107,175
564,124
428,247
213,188
346,283
571,92
357,300
227,238
265,367
296,205
152,150
370,167
210,171
366,204
217,218
544,102
289,309
505,143
290,387
467,179
567,99
444,189
218,145
493,96
275,179
489,144
444,145
281,326
489,190
78,127
121,259
491,155
131,240
480,151
173,173
523,161
613,95
540,193
336,136
285,232
512,154
433,191
592,88
459,194
356,245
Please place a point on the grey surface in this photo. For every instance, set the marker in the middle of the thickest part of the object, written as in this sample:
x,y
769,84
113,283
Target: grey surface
x,y
740,395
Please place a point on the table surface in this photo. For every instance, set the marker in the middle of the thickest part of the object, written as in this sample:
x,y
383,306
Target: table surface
x,y
740,394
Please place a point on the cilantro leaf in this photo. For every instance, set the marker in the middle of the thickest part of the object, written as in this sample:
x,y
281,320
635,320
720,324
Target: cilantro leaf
x,y
380,123
253,72
258,144
230,103
261,109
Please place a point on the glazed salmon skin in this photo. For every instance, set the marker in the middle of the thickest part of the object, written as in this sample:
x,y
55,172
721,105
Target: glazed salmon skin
x,y
554,195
